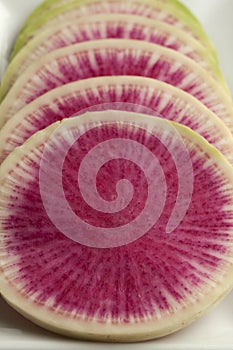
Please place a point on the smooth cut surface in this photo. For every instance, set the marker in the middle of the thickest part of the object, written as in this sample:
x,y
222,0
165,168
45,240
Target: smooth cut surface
x,y
137,94
157,284
167,12
213,330
102,26
116,57
49,5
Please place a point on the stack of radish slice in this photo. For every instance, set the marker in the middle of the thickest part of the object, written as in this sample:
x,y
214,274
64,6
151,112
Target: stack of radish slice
x,y
116,177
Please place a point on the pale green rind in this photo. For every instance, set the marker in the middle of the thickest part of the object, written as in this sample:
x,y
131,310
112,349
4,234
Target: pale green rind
x,y
40,10
29,52
220,99
46,320
43,21
209,296
210,124
49,5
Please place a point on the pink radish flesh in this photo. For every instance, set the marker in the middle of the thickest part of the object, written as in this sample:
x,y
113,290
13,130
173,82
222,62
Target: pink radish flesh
x,y
135,284
116,57
135,94
161,12
108,26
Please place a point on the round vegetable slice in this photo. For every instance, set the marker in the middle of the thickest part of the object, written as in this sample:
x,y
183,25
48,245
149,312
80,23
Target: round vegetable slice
x,y
116,57
137,94
122,282
165,11
104,26
49,5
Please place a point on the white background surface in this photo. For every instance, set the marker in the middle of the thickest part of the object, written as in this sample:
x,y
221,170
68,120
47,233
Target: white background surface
x,y
214,331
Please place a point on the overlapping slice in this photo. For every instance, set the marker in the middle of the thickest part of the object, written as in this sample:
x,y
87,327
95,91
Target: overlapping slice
x,y
108,26
49,5
165,11
113,192
116,57
161,273
136,94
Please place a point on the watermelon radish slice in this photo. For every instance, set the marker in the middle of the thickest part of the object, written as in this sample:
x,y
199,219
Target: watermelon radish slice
x,y
167,12
49,5
136,94
108,26
116,57
157,281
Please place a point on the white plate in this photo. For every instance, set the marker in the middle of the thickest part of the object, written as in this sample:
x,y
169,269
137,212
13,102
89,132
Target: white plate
x,y
214,331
